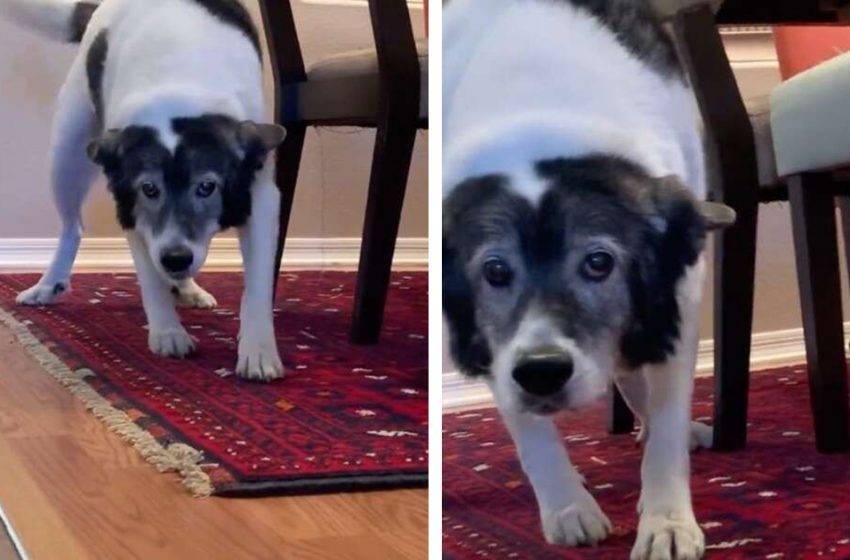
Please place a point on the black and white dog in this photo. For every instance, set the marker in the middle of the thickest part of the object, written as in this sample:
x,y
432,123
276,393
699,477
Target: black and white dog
x,y
166,97
573,230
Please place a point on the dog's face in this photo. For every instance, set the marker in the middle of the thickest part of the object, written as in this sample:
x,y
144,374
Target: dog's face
x,y
548,296
179,198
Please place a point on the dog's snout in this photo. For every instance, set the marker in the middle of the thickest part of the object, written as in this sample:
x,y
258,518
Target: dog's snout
x,y
177,259
543,372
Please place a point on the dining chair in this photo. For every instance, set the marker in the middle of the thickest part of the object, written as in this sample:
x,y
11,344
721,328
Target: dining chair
x,y
382,87
740,138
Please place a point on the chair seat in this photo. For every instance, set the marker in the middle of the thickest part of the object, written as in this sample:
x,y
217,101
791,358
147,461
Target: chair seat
x,y
810,119
344,88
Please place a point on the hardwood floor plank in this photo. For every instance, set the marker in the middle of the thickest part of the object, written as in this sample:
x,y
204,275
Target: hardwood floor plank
x,y
74,490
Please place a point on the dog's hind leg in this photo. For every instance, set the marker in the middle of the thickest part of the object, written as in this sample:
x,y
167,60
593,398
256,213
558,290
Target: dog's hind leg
x,y
71,176
188,293
568,512
633,387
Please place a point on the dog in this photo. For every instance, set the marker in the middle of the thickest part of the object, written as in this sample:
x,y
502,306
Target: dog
x,y
165,97
574,223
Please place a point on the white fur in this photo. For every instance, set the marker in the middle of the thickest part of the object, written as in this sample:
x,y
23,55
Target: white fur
x,y
530,80
167,59
583,93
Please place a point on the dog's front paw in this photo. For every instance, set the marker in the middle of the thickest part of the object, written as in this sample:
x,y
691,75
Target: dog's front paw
x,y
580,523
171,343
192,295
671,536
258,360
43,294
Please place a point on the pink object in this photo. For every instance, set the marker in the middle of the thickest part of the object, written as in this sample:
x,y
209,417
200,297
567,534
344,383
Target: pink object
x,y
801,47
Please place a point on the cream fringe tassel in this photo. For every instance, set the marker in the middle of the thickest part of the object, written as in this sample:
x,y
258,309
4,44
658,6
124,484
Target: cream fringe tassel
x,y
177,457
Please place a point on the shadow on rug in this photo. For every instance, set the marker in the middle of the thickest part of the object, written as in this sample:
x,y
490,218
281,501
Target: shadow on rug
x,y
345,417
778,499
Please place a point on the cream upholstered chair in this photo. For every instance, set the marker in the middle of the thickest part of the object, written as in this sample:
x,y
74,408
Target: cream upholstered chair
x,y
759,152
384,87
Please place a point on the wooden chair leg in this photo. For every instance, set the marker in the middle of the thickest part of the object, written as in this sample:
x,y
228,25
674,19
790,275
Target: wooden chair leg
x,y
288,162
390,166
816,248
734,287
620,417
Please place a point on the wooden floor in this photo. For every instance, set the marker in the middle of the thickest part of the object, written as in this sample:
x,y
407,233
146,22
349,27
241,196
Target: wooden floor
x,y
72,490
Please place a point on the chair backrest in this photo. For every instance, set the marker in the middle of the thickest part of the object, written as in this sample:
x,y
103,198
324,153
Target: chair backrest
x,y
395,44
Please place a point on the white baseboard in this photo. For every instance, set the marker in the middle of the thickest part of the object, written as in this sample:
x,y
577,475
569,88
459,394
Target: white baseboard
x,y
301,253
769,349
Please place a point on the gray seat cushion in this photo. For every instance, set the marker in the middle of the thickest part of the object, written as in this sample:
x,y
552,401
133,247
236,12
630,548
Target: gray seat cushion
x,y
810,119
345,87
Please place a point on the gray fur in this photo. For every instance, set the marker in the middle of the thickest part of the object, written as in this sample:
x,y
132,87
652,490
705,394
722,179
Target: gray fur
x,y
638,29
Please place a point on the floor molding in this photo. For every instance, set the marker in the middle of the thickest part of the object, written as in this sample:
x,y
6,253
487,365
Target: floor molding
x,y
769,349
33,254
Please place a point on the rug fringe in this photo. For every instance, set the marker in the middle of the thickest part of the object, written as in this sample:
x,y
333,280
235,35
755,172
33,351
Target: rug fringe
x,y
177,457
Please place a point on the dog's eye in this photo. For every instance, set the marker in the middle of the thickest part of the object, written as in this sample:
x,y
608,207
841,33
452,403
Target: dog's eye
x,y
497,272
150,189
597,266
206,188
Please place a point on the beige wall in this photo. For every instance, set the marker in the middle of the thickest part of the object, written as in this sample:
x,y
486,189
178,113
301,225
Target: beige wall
x,y
330,200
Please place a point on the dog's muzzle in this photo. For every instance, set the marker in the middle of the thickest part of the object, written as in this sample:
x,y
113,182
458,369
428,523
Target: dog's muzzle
x,y
543,372
177,260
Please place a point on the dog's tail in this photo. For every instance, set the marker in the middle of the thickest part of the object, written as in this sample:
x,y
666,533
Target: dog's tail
x,y
62,20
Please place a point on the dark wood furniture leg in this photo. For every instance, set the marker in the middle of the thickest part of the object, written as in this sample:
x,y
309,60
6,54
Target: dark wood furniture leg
x,y
390,166
620,417
730,135
816,248
288,163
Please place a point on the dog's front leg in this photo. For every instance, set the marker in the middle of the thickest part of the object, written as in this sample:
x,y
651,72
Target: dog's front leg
x,y
258,355
667,527
568,512
166,336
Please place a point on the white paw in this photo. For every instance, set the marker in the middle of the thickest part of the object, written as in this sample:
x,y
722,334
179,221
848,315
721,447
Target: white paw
x,y
43,294
258,359
193,296
580,523
173,342
701,436
671,536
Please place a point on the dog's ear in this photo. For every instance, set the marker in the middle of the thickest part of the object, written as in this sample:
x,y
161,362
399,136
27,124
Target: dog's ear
x,y
469,349
106,148
258,139
673,239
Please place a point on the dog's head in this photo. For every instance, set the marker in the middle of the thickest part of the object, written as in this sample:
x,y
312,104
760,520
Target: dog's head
x,y
178,198
548,295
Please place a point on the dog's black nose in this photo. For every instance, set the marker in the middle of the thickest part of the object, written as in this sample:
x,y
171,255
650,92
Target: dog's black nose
x,y
543,374
176,260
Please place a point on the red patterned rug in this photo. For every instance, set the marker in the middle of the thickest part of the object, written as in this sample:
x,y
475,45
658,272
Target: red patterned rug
x,y
778,499
345,417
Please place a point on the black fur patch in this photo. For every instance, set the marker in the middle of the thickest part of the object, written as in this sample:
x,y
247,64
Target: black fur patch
x,y
203,144
95,65
232,12
660,257
80,17
207,144
638,29
469,349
